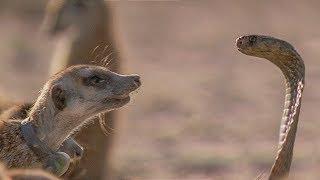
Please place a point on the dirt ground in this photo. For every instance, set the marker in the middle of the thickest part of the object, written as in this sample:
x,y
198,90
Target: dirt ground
x,y
205,111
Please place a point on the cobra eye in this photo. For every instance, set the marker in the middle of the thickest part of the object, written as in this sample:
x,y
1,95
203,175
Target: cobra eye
x,y
252,40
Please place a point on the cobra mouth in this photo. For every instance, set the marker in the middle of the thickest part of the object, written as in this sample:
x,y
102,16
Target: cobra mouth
x,y
254,52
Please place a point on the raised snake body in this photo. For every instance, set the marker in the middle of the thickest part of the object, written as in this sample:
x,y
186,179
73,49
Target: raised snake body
x,y
283,55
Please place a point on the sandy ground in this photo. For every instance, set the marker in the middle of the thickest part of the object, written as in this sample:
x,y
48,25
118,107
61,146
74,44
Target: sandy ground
x,y
205,111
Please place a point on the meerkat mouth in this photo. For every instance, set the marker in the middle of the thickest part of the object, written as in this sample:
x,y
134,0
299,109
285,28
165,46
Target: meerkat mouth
x,y
118,100
122,99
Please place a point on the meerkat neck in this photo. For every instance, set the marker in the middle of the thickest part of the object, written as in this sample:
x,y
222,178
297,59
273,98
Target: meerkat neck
x,y
50,126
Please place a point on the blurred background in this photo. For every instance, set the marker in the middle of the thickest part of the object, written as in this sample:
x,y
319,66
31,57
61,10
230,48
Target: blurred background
x,y
205,111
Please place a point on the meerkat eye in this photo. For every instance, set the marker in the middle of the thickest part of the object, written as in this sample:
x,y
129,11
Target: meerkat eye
x,y
93,80
96,79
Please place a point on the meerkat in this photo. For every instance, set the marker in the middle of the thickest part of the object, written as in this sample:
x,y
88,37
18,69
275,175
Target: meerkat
x,y
68,101
24,174
85,31
3,173
69,146
86,35
20,111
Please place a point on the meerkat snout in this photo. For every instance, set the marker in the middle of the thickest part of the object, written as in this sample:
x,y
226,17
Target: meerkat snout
x,y
136,80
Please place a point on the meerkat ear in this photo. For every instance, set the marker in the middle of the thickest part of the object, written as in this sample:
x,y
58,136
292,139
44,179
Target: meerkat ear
x,y
58,97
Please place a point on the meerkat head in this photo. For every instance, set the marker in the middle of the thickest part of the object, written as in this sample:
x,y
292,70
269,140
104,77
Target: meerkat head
x,y
84,91
78,14
81,92
68,100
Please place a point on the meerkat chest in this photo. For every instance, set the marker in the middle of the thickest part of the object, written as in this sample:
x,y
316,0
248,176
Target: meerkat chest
x,y
14,152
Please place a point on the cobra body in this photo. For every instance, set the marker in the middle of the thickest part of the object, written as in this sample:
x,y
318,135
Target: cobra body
x,y
284,56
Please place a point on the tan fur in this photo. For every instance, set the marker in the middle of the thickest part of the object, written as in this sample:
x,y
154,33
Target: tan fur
x,y
85,91
14,150
86,38
6,104
86,34
10,130
24,174
17,111
71,147
3,173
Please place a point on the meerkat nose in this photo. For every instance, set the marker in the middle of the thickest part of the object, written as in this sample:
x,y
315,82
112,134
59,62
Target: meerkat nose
x,y
136,80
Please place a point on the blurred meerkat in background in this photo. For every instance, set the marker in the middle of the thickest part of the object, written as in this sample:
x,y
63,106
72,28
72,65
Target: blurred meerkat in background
x,y
24,174
85,36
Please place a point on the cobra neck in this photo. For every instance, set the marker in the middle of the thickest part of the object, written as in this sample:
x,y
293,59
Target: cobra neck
x,y
293,70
